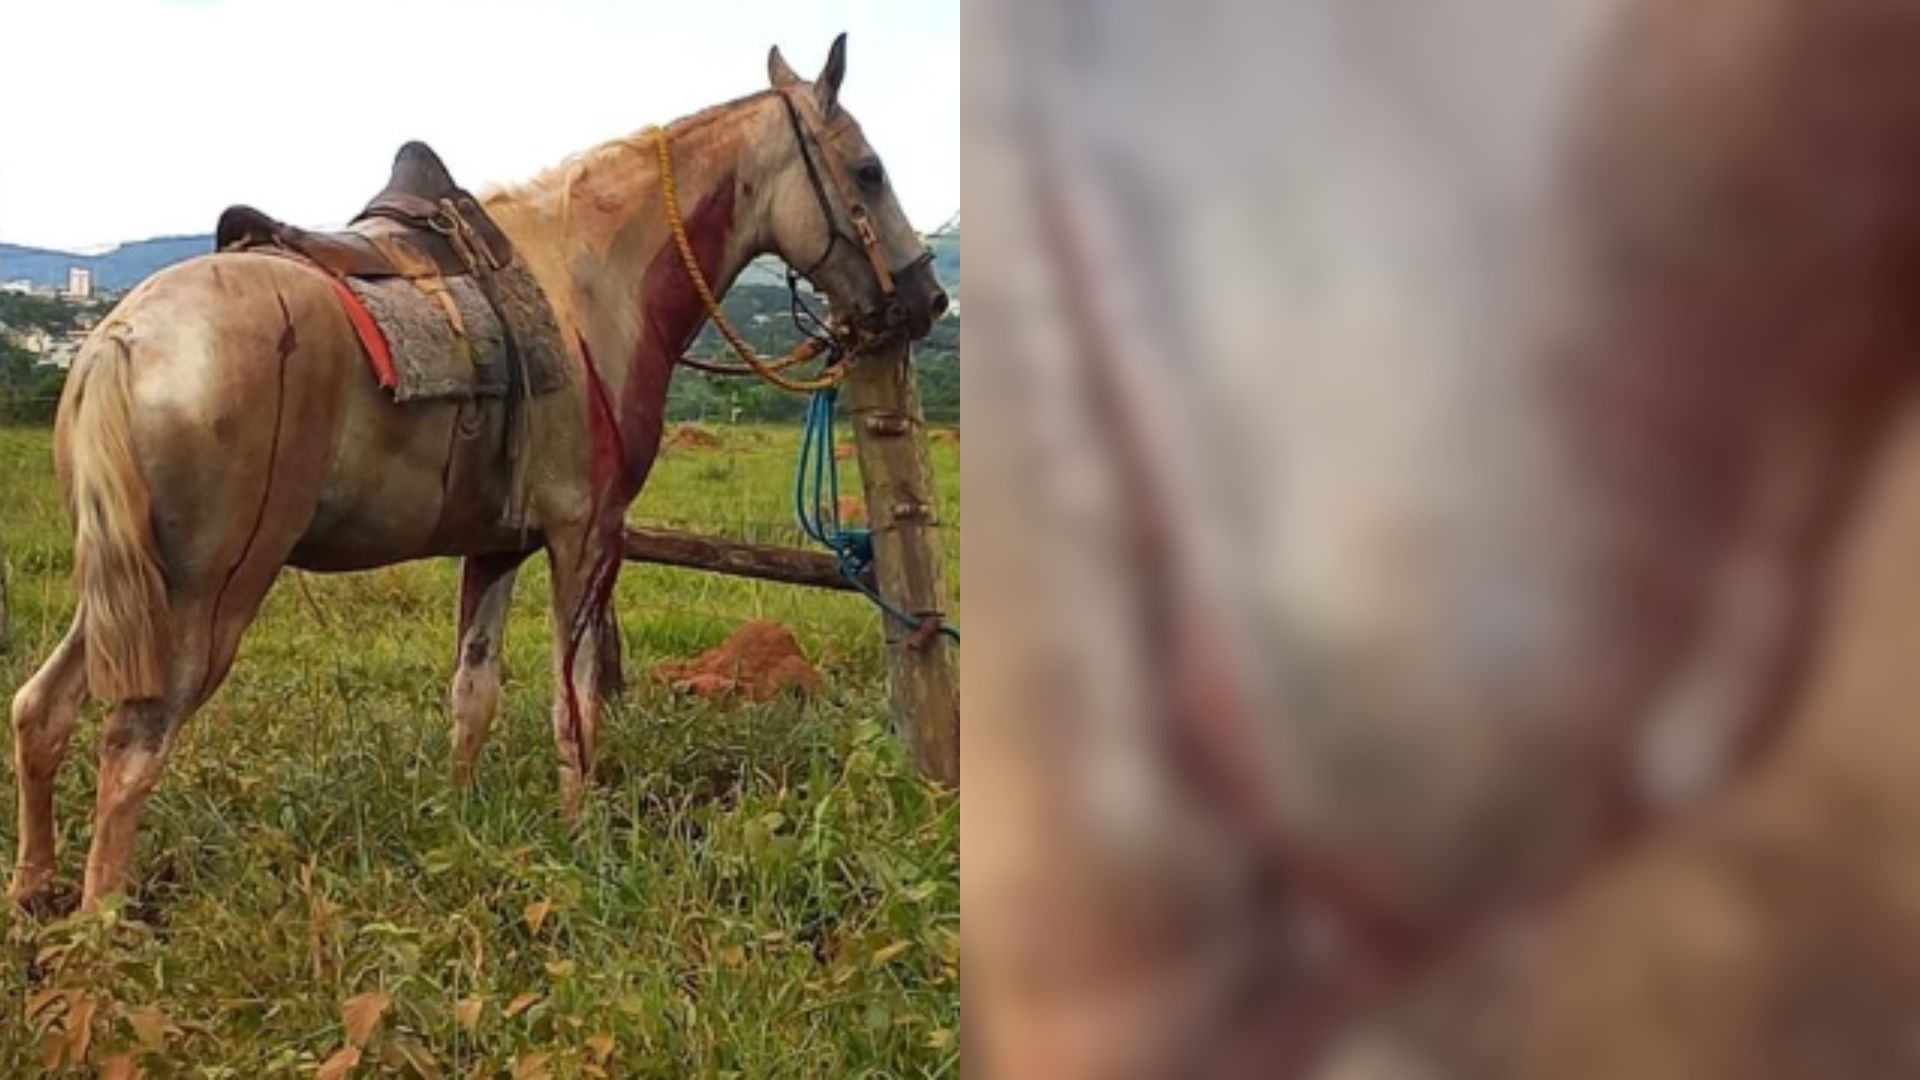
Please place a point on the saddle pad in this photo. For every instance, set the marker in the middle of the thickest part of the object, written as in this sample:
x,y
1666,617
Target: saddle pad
x,y
431,362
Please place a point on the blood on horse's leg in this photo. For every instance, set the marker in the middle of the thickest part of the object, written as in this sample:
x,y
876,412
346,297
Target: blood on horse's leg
x,y
584,566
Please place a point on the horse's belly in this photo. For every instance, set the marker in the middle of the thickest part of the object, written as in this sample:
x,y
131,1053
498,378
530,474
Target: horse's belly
x,y
410,482
364,548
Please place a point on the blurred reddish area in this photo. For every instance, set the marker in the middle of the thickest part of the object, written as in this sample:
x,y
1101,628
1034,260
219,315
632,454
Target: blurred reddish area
x,y
1440,545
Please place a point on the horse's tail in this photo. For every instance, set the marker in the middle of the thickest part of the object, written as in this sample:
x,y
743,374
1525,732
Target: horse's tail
x,y
116,562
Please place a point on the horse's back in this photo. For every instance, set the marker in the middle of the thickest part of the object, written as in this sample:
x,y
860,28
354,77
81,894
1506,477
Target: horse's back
x,y
212,339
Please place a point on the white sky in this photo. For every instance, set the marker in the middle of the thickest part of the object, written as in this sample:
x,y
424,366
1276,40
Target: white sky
x,y
126,119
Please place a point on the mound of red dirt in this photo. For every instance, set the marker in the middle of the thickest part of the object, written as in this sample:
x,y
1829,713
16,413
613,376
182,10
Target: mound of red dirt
x,y
758,662
693,437
852,511
843,452
947,435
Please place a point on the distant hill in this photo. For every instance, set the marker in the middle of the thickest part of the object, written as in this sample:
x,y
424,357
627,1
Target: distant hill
x,y
945,242
946,258
125,266
121,268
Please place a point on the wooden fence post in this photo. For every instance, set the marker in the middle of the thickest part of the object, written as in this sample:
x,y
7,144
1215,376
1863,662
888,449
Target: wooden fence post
x,y
909,558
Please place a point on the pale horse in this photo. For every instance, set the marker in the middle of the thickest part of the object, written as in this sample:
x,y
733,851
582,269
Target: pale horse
x,y
221,423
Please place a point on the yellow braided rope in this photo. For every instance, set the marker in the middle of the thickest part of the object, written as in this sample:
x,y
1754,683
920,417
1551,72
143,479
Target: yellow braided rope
x,y
770,371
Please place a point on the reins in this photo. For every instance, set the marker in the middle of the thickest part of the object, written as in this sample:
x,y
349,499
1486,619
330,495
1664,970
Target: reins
x,y
771,371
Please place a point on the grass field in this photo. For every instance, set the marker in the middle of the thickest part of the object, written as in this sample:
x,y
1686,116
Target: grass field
x,y
758,890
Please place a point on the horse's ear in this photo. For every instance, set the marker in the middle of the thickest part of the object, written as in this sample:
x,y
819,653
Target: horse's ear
x,y
778,73
826,88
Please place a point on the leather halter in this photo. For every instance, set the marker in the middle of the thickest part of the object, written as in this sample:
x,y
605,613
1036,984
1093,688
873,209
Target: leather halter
x,y
837,337
866,237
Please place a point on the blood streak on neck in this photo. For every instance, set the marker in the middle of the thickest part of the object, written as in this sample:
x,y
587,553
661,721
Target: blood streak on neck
x,y
671,313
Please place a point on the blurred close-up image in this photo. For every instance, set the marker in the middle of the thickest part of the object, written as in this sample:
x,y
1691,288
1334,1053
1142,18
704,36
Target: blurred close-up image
x,y
479,594
1444,539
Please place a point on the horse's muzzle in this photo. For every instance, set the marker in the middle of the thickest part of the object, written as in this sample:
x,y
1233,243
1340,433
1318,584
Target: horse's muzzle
x,y
925,301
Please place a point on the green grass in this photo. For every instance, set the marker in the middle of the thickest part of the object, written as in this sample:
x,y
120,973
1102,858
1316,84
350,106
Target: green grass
x,y
758,890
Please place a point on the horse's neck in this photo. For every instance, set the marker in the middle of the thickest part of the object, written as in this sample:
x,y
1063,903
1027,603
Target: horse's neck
x,y
596,234
600,231
646,272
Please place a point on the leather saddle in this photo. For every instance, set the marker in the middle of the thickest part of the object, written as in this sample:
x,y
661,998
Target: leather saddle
x,y
425,230
421,225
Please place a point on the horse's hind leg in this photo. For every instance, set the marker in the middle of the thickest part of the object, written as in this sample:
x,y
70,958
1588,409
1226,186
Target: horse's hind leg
x,y
133,750
236,515
138,735
45,712
486,595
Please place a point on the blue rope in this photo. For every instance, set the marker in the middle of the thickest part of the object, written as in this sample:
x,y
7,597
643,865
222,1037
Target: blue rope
x,y
816,503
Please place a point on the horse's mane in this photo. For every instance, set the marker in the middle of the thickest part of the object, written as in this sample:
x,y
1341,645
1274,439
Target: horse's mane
x,y
559,177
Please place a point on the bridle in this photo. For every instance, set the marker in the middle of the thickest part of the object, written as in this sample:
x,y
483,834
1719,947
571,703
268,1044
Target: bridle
x,y
834,340
892,312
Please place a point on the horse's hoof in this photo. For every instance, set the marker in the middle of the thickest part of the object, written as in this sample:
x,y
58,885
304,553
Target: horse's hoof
x,y
44,896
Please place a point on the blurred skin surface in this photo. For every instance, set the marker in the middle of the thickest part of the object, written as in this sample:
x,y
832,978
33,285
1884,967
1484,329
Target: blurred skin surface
x,y
1437,563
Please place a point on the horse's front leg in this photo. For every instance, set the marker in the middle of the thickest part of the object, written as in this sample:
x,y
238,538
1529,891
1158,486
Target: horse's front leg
x,y
613,676
486,595
585,562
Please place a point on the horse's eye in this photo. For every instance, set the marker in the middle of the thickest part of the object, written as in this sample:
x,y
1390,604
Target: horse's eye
x,y
871,174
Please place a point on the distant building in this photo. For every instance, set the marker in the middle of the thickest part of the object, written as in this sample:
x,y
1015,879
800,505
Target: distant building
x,y
60,352
34,340
79,283
24,286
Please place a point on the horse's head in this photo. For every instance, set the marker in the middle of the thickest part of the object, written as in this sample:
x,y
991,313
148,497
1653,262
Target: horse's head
x,y
834,215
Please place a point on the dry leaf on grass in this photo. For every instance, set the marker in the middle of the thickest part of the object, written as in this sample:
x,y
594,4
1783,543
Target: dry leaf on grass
x,y
38,1002
53,1047
532,1067
339,1065
601,1047
467,1013
80,1010
149,1026
119,1067
520,1004
536,914
361,1014
405,1050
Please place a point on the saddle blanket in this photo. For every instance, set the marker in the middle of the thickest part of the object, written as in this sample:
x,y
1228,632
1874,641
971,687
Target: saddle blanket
x,y
417,353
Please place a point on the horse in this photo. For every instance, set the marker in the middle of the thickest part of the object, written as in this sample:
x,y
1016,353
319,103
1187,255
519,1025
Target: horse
x,y
1466,430
220,424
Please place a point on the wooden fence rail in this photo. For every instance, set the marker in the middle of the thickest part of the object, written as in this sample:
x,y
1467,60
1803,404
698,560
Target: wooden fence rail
x,y
737,558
